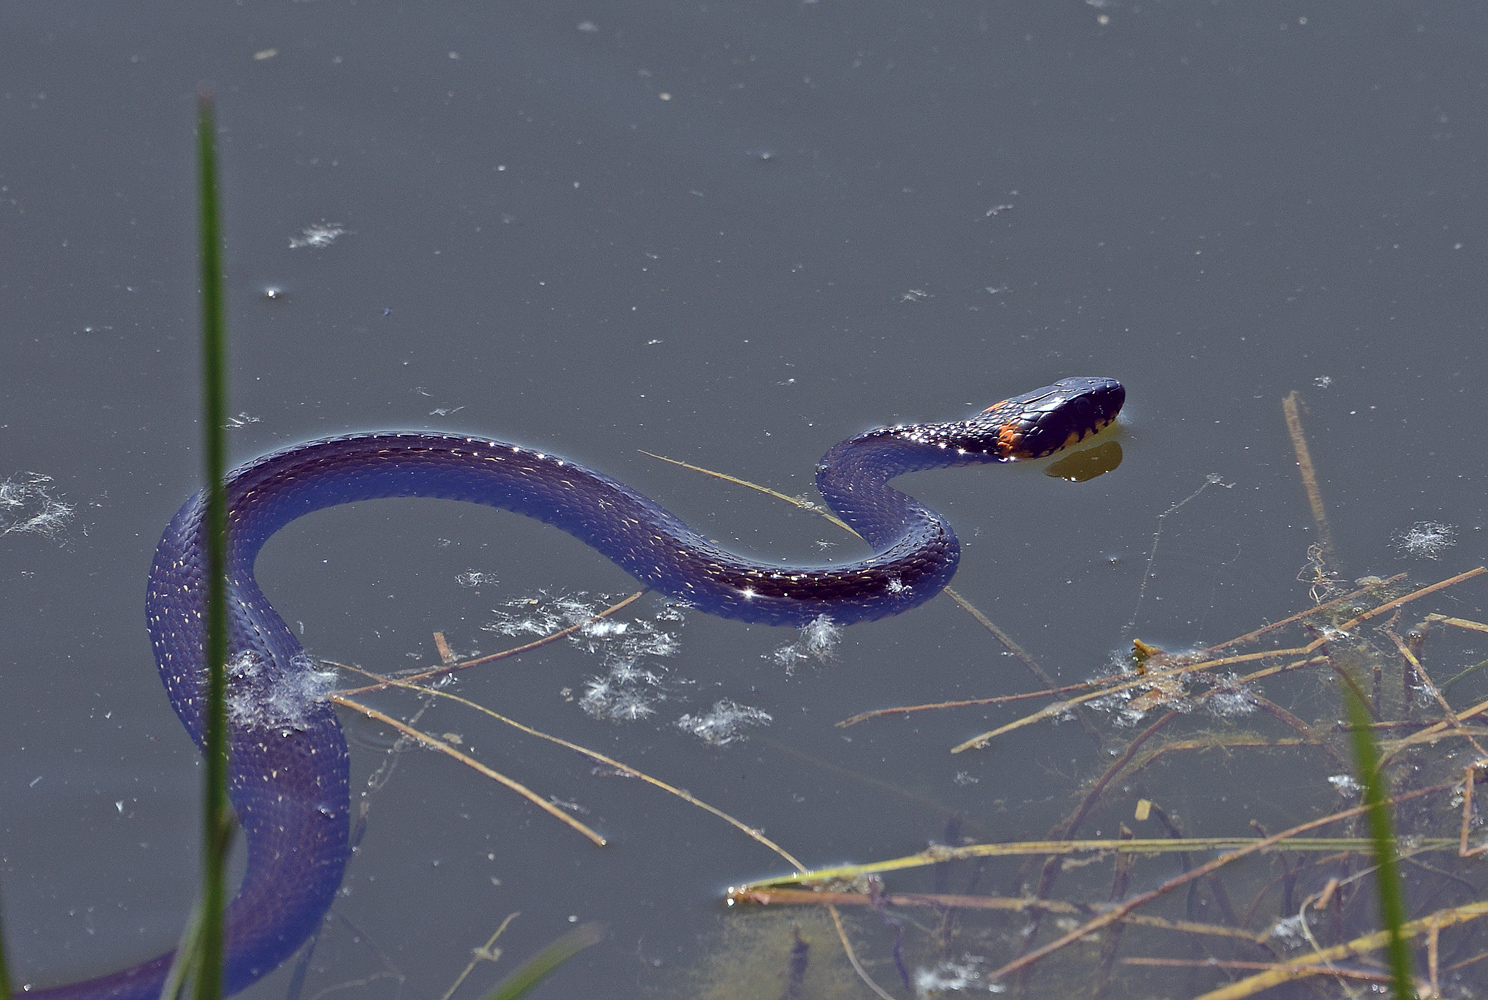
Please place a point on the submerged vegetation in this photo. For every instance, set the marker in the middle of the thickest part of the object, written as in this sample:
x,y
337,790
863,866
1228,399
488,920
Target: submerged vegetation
x,y
1224,916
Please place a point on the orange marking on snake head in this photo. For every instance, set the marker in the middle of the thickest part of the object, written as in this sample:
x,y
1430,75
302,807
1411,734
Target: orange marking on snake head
x,y
1009,437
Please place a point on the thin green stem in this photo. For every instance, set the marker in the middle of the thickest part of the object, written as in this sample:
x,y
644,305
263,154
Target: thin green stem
x,y
4,972
188,950
217,813
1376,796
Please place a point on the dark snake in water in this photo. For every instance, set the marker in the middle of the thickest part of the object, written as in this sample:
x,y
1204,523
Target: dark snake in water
x,y
288,768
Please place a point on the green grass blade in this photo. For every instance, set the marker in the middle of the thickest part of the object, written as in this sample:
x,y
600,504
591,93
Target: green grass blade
x,y
188,957
1376,794
4,971
216,812
537,968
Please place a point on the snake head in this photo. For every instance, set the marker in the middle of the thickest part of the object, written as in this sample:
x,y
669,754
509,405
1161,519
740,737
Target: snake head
x,y
1041,422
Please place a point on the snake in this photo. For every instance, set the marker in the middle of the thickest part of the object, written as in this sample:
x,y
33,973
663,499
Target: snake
x,y
289,776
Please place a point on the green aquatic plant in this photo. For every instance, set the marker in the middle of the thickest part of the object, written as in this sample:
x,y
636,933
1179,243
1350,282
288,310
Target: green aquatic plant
x,y
217,816
537,968
201,952
4,972
1376,794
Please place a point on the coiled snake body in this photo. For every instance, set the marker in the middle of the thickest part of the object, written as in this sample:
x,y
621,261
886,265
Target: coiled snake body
x,y
289,765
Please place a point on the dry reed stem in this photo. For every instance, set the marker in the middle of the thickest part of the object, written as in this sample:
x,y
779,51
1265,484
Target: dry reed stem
x,y
1153,677
1459,622
1243,743
752,832
1018,651
468,761
1214,882
952,901
1111,939
1001,699
481,954
450,668
1468,781
852,956
1433,959
1362,975
1150,679
1140,900
1309,480
1309,735
1480,956
800,502
1431,734
1022,656
1391,605
1371,587
1104,683
1451,716
1359,946
1068,828
1243,846
1049,873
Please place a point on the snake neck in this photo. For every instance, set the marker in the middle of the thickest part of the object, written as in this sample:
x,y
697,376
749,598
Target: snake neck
x,y
853,476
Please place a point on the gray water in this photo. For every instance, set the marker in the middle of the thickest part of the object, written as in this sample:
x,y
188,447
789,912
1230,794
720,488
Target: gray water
x,y
732,235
